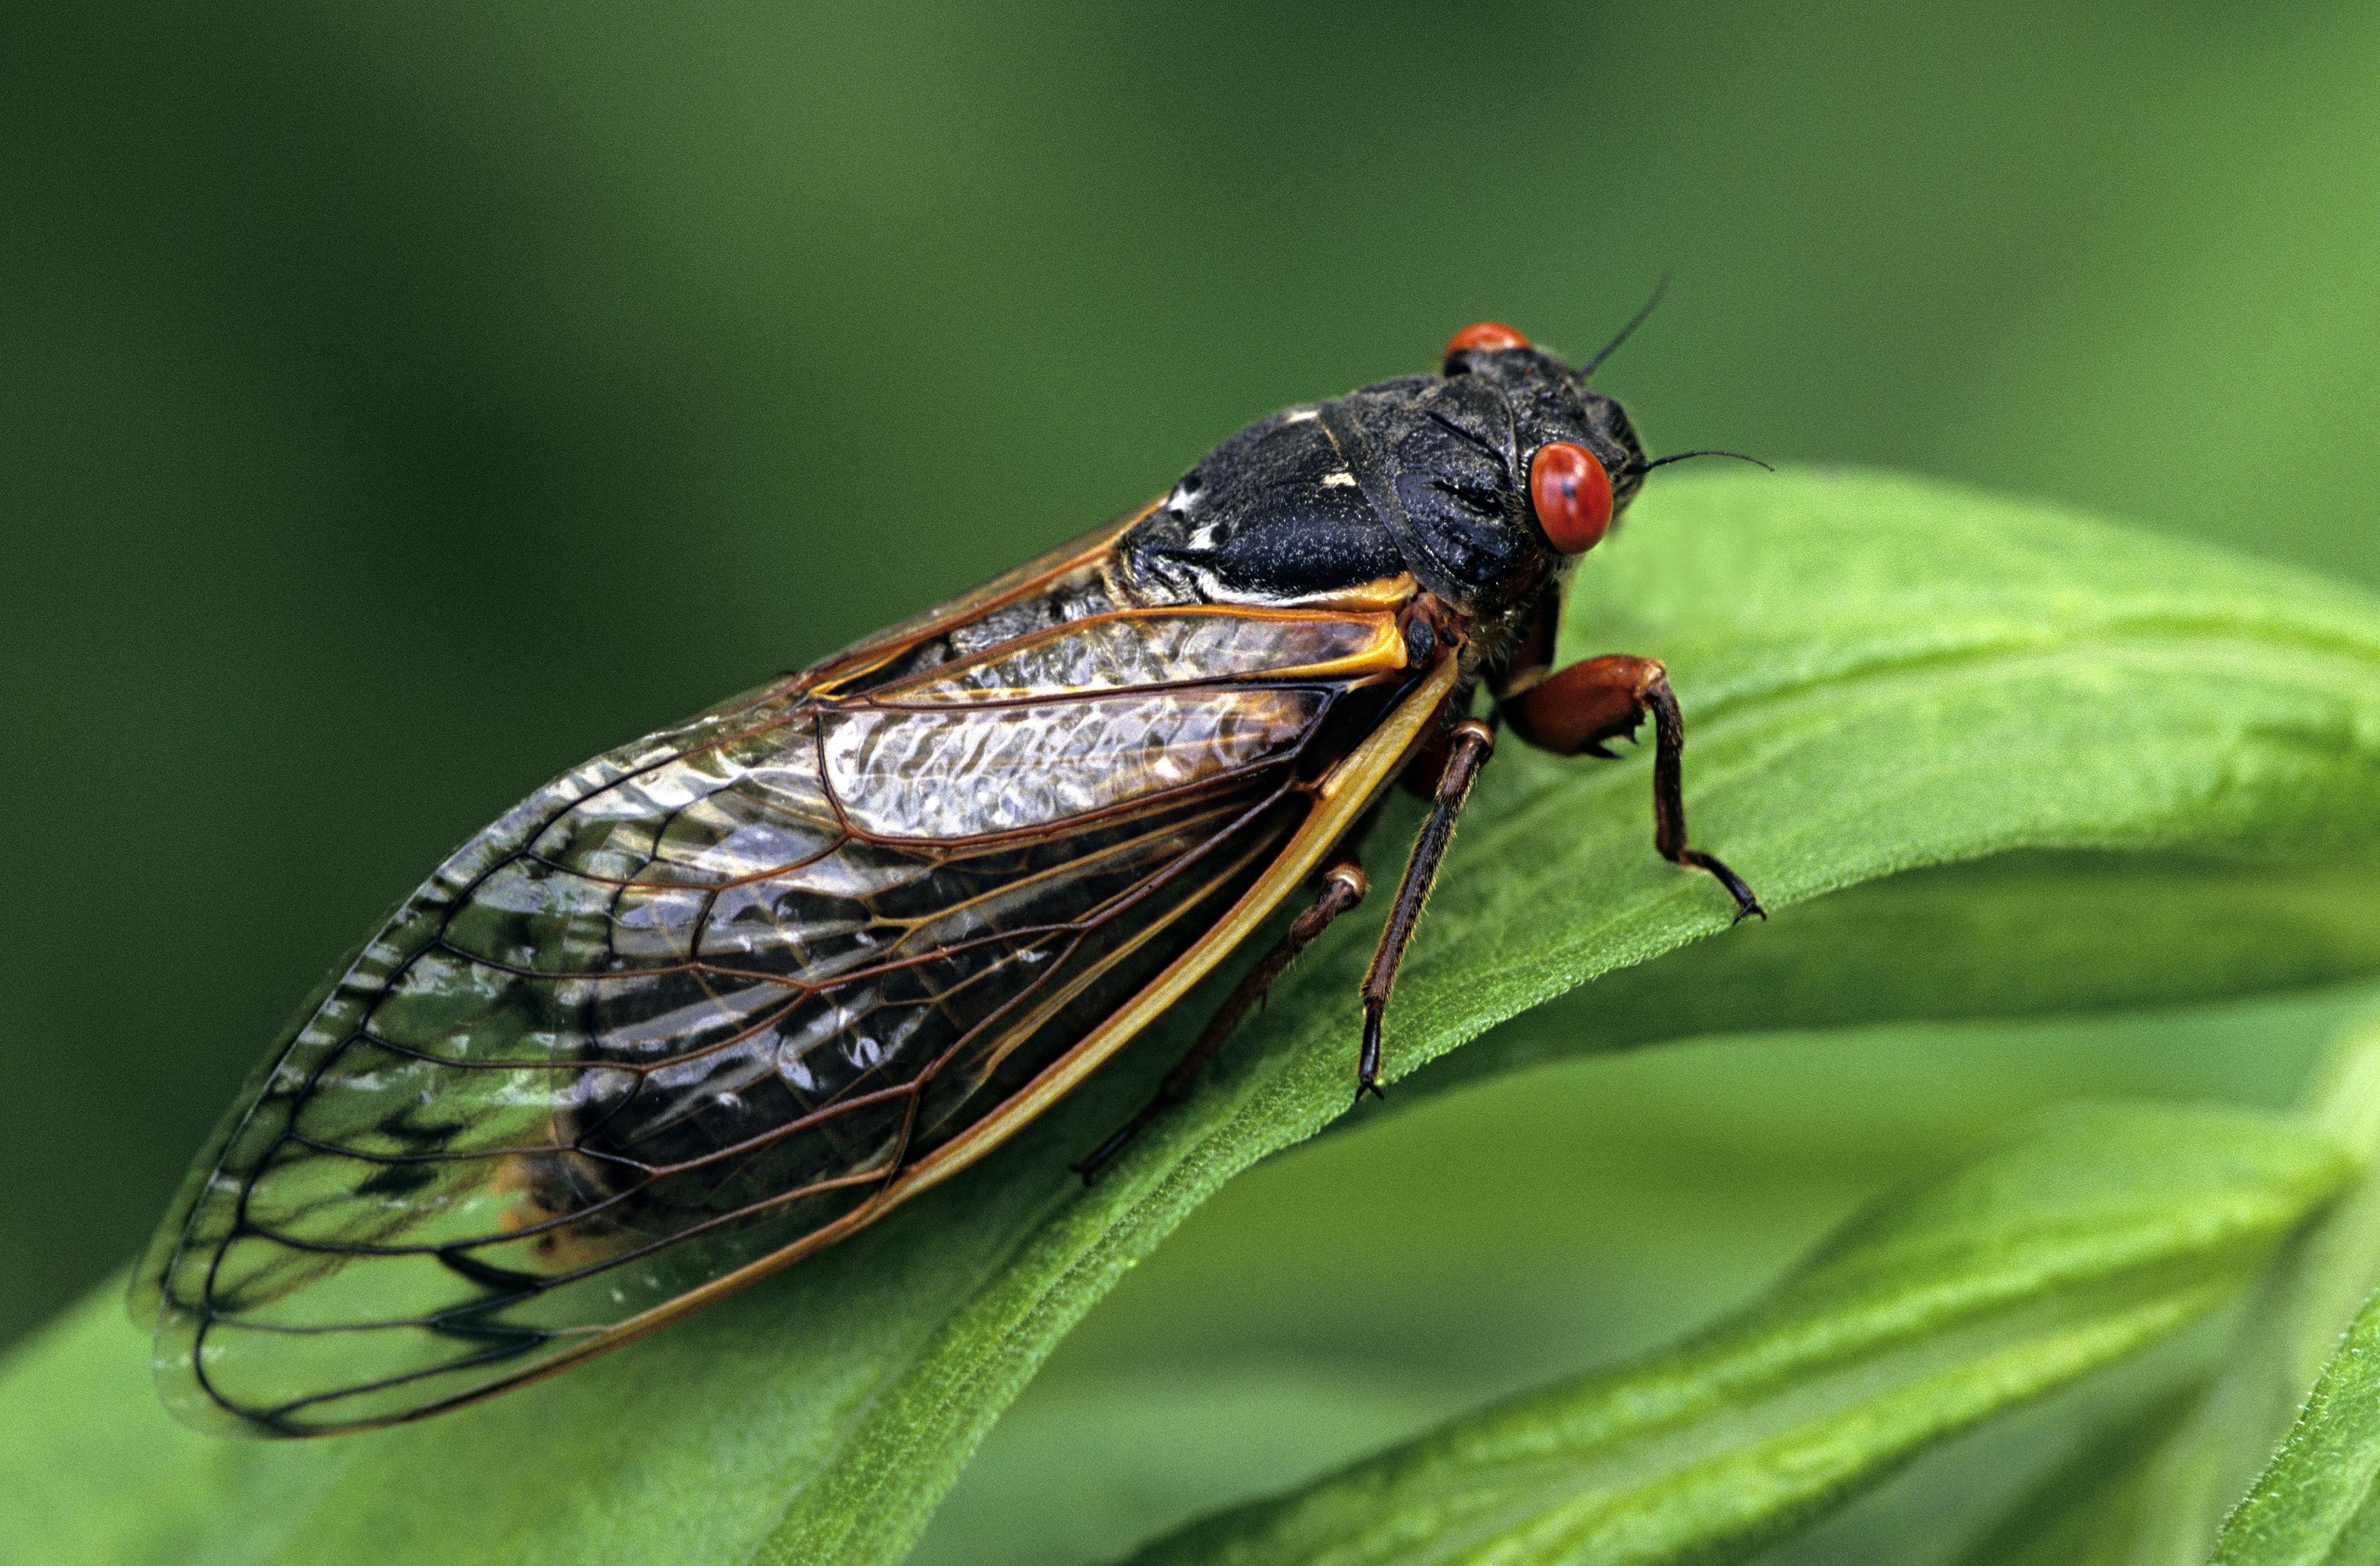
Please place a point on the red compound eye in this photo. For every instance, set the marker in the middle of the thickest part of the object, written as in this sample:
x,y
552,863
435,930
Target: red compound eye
x,y
1489,334
1572,494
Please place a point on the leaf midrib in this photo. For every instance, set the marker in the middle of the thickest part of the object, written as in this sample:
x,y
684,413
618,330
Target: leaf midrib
x,y
997,1264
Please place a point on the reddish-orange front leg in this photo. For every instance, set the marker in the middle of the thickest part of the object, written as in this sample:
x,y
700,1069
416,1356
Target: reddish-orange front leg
x,y
1572,712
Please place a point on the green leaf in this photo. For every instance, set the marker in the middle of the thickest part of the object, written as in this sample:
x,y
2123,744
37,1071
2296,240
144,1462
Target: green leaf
x,y
2130,1496
1879,676
1562,1220
2087,1233
2316,1505
2154,1490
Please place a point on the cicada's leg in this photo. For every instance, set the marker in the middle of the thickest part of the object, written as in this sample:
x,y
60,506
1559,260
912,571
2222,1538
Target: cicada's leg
x,y
1572,712
1343,886
1468,746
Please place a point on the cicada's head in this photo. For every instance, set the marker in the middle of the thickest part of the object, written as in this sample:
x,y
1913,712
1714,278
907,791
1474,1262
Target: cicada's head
x,y
1511,467
1571,463
1483,482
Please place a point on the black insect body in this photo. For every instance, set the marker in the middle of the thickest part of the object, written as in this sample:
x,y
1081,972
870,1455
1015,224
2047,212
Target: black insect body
x,y
716,998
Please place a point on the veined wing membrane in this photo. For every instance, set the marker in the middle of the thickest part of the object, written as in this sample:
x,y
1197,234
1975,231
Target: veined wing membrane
x,y
693,1009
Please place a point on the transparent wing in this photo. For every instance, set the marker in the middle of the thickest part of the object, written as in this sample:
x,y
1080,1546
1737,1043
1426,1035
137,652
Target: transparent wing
x,y
696,1007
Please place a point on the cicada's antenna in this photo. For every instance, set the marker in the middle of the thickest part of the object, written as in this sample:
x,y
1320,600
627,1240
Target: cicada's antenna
x,y
1634,322
1682,456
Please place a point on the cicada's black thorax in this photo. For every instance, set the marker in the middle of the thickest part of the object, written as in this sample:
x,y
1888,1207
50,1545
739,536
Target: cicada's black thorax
x,y
1426,473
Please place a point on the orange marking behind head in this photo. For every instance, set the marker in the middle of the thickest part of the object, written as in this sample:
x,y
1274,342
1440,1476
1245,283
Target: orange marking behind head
x,y
1489,335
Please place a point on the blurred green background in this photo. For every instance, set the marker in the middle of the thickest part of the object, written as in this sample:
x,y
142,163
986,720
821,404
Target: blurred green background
x,y
402,402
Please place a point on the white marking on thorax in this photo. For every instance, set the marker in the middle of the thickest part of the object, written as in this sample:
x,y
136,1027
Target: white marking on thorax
x,y
1340,480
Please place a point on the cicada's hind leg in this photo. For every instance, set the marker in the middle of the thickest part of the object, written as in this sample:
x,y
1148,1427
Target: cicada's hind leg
x,y
1467,747
1343,886
1572,712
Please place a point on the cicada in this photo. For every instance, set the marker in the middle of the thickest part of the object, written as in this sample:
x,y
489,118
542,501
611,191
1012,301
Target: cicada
x,y
717,999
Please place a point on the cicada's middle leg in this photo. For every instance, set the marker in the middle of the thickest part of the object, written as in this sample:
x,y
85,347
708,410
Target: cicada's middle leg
x,y
1468,746
1569,713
